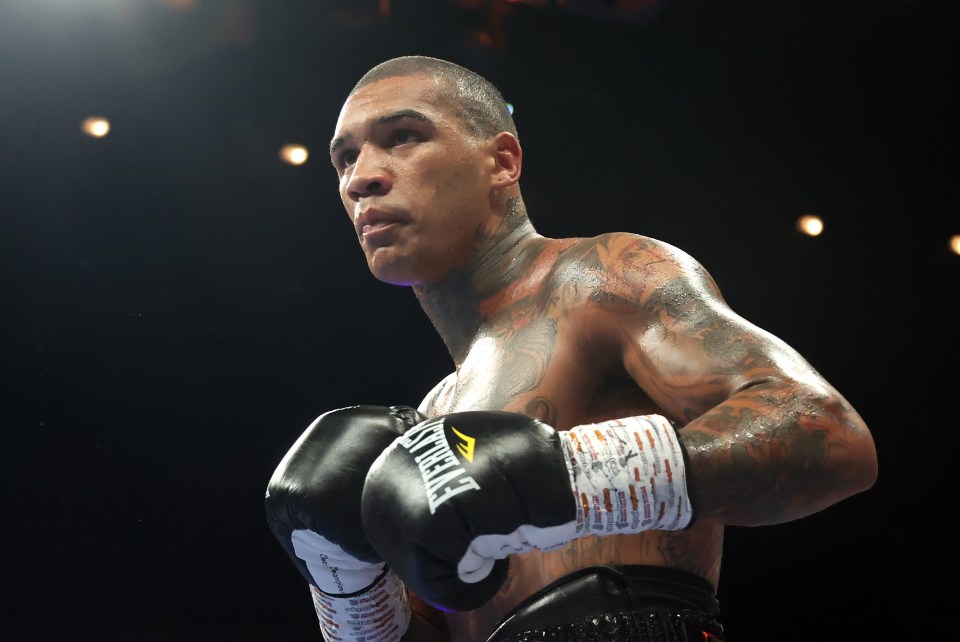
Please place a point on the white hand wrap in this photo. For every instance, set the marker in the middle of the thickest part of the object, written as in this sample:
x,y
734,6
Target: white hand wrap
x,y
381,614
352,604
628,476
332,569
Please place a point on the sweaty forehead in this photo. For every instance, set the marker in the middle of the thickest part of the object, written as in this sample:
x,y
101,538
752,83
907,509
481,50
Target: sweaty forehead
x,y
390,95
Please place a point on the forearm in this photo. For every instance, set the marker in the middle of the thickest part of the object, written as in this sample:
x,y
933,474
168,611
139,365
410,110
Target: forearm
x,y
774,453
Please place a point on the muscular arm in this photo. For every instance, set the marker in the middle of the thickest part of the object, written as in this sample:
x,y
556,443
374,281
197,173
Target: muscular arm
x,y
768,438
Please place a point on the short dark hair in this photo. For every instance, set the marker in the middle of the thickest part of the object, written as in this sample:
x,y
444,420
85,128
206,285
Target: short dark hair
x,y
476,101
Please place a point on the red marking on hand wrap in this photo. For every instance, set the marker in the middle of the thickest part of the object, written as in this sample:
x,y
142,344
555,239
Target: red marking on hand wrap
x,y
576,442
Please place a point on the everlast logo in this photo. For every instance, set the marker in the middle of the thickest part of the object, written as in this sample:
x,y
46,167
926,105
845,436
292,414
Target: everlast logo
x,y
442,475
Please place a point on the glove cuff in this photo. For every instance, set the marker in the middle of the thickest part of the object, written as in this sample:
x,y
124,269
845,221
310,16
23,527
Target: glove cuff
x,y
381,612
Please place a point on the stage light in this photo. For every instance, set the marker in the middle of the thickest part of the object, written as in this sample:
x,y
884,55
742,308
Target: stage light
x,y
810,224
294,154
96,126
955,243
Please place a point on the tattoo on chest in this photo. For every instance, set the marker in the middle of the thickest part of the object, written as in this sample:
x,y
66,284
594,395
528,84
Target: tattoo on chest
x,y
526,356
511,362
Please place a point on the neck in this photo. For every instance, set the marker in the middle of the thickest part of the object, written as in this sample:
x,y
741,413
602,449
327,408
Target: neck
x,y
453,304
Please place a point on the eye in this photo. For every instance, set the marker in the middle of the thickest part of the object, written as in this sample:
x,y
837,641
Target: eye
x,y
345,159
404,136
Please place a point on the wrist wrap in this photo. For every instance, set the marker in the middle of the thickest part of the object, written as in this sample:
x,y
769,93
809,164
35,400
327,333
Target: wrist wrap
x,y
380,614
628,476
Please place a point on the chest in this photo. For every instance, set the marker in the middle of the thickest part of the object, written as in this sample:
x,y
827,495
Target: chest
x,y
542,367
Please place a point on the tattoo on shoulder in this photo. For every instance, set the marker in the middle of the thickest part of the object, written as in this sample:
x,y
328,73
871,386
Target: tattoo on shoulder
x,y
616,269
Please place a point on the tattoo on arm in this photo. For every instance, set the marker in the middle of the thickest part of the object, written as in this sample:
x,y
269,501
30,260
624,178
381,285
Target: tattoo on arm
x,y
758,460
768,441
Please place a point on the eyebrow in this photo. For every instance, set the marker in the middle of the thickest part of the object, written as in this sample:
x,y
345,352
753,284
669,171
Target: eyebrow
x,y
382,120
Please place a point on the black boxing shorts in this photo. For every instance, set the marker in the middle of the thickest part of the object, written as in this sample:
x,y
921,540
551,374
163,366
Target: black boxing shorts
x,y
617,604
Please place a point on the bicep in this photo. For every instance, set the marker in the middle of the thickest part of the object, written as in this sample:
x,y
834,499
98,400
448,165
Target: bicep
x,y
768,438
690,351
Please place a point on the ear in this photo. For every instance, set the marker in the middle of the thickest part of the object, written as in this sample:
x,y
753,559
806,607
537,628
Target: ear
x,y
508,159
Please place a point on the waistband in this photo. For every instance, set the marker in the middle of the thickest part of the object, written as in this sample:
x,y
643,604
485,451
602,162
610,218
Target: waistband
x,y
625,596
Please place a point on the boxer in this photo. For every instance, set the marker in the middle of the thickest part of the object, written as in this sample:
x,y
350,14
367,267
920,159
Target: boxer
x,y
585,344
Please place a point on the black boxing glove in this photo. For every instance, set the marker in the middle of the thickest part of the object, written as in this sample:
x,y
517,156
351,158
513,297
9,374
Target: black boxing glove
x,y
313,508
450,500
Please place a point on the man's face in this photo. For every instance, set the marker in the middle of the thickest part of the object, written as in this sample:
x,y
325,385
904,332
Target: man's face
x,y
415,183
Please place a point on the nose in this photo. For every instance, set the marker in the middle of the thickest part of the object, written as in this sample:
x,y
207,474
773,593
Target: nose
x,y
369,175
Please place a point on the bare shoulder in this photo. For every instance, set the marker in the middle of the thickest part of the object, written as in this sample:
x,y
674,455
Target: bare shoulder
x,y
624,271
436,398
615,244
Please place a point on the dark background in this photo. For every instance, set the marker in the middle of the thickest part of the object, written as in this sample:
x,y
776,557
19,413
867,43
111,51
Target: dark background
x,y
177,304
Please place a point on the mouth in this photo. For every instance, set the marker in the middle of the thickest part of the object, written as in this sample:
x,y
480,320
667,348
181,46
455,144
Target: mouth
x,y
375,222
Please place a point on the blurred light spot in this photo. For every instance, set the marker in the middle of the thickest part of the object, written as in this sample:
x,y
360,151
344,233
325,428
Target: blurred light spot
x,y
810,224
181,5
96,126
482,38
510,108
955,243
236,24
294,154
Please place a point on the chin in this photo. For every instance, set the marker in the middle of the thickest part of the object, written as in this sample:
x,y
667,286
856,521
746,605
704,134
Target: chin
x,y
404,269
390,273
396,281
